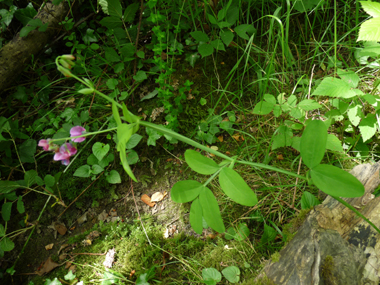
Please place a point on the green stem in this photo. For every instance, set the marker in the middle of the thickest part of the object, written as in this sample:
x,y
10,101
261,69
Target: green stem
x,y
340,200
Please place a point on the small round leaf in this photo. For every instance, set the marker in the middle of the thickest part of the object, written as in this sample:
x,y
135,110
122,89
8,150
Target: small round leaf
x,y
200,163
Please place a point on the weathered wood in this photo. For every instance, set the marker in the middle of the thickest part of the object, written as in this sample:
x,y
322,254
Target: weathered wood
x,y
333,245
15,54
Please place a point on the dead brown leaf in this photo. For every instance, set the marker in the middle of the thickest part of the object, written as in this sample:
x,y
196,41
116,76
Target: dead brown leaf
x,y
146,199
48,266
158,196
220,138
236,137
280,157
49,246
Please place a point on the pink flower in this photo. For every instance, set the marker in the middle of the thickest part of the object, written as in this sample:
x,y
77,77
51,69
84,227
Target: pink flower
x,y
65,151
77,131
47,145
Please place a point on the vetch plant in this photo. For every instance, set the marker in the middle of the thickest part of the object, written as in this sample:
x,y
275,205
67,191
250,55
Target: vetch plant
x,y
330,179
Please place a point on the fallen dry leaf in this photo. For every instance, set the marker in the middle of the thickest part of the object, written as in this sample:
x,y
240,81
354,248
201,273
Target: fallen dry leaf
x,y
157,197
60,228
220,138
72,268
146,199
86,242
110,256
68,264
228,153
49,246
280,157
236,137
102,216
132,273
48,266
82,219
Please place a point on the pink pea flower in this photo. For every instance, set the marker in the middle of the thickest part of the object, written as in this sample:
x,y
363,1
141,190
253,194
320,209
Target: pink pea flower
x,y
47,145
65,151
77,131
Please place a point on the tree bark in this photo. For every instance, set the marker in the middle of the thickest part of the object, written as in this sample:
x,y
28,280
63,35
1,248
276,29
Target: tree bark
x,y
18,52
333,245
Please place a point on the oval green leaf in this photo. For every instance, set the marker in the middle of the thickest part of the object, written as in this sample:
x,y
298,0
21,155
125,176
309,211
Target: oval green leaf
x,y
313,143
236,188
124,161
115,113
186,191
336,182
232,274
200,163
196,216
210,210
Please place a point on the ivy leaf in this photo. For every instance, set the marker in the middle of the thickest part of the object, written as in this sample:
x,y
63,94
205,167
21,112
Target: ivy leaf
x,y
100,150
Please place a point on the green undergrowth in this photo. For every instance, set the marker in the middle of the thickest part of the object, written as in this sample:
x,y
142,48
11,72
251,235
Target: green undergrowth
x,y
169,255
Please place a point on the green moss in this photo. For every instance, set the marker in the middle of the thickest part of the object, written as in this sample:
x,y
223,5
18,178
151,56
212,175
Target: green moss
x,y
275,257
292,227
327,270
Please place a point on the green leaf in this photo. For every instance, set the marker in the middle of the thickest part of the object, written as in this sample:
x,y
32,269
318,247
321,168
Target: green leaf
x,y
309,105
263,108
218,45
186,191
49,180
336,182
30,178
334,87
130,12
371,8
232,274
133,141
349,76
210,210
111,55
132,156
230,233
69,276
124,161
7,244
100,150
270,99
83,171
2,230
211,274
227,37
96,169
115,113
153,136
308,201
27,150
370,30
26,30
200,163
355,114
200,36
113,177
205,49
151,94
333,143
8,186
111,22
91,160
192,58
296,143
245,31
313,143
368,127
26,14
196,216
140,76
20,205
114,8
236,188
242,232
6,211
282,137
269,234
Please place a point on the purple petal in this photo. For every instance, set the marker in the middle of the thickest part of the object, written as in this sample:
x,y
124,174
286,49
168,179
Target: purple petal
x,y
44,144
77,131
